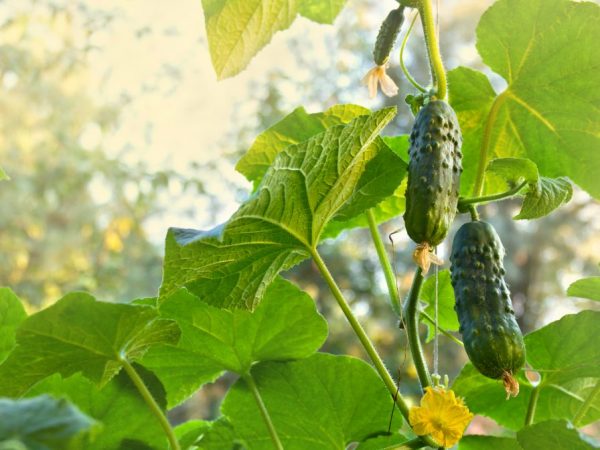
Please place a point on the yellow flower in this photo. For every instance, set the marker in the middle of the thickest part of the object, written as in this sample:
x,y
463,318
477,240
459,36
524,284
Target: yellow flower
x,y
376,76
442,415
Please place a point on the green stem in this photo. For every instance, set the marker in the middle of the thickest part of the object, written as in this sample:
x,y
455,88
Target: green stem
x,y
583,409
463,202
388,271
485,143
441,330
263,411
151,402
365,341
412,329
533,399
435,58
473,211
407,74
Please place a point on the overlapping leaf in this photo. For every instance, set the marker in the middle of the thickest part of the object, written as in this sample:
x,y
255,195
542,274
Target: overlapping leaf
x,y
554,434
474,442
81,334
305,187
286,325
321,402
118,407
569,365
548,113
238,29
447,319
585,288
41,423
12,314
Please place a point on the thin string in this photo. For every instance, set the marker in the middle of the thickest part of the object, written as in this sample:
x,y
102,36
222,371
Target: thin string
x,y
435,319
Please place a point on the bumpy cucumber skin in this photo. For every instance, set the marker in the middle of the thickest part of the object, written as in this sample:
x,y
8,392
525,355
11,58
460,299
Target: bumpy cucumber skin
x,y
388,32
492,338
433,173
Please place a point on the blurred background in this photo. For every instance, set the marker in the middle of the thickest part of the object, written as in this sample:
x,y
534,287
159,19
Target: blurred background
x,y
113,128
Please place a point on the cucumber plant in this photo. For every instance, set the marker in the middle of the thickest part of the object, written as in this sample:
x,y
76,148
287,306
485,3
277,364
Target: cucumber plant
x,y
86,374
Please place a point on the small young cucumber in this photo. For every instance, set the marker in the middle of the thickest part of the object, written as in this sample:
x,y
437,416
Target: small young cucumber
x,y
388,32
433,173
492,338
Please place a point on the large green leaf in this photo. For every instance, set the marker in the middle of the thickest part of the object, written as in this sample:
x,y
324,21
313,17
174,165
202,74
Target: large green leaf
x,y
286,325
321,402
387,442
41,423
474,442
306,185
555,434
569,365
585,288
548,54
12,314
81,334
220,436
238,29
447,318
118,406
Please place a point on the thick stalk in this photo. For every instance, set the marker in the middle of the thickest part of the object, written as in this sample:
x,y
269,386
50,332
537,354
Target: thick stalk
x,y
263,411
433,50
365,341
411,317
152,405
388,271
533,399
583,409
463,202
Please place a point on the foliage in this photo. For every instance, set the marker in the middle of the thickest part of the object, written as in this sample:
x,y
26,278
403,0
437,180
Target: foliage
x,y
222,306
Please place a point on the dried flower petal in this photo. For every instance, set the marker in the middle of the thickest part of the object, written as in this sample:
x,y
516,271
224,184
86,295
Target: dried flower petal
x,y
378,76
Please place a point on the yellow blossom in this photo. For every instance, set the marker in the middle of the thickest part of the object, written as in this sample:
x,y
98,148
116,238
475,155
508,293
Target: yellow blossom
x,y
442,415
376,76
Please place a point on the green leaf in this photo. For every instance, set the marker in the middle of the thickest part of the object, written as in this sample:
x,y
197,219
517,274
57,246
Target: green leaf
x,y
510,172
238,29
12,314
81,334
321,402
220,436
118,406
42,423
296,127
447,318
549,195
556,434
585,288
286,325
281,223
3,175
383,442
569,365
547,52
321,11
190,432
474,442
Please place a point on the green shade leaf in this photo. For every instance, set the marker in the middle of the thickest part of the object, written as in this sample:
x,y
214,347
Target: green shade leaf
x,y
238,29
81,334
554,434
548,54
447,318
549,195
118,406
320,402
12,314
321,11
383,442
569,365
41,423
511,171
286,325
585,288
304,188
474,442
220,436
190,432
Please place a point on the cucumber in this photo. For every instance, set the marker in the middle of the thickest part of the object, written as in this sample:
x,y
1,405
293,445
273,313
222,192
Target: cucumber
x,y
492,338
388,32
433,174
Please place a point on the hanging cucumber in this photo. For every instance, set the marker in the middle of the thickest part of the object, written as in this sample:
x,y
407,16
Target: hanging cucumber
x,y
492,338
388,32
433,178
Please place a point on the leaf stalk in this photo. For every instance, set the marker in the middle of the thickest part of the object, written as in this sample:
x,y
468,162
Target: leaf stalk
x,y
249,380
533,399
583,409
463,202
